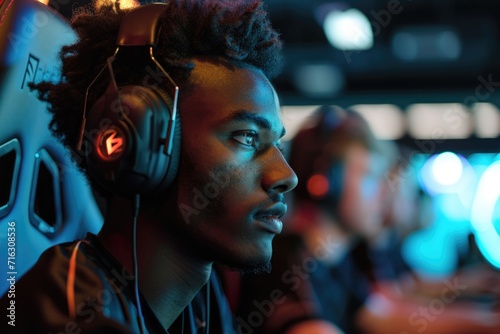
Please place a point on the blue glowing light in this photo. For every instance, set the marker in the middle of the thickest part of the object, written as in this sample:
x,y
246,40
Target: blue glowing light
x,y
447,168
482,214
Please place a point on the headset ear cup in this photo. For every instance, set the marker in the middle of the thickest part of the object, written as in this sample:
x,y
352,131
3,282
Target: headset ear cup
x,y
138,119
164,168
173,166
326,187
104,127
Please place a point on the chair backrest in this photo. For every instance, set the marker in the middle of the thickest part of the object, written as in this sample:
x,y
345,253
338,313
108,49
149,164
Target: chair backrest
x,y
44,198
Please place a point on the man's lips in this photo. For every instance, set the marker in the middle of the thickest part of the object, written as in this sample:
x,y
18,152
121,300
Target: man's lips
x,y
270,218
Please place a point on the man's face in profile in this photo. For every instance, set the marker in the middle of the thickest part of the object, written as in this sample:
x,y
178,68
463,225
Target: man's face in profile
x,y
232,175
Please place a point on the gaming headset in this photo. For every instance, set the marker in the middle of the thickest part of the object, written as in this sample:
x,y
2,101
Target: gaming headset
x,y
318,153
134,130
325,182
134,143
321,173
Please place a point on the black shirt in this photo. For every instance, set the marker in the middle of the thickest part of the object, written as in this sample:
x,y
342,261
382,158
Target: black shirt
x,y
103,300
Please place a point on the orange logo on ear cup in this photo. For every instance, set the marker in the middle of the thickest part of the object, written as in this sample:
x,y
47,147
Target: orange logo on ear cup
x,y
110,144
114,144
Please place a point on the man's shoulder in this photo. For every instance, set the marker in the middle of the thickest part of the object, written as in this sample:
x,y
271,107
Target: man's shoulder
x,y
76,258
69,287
50,270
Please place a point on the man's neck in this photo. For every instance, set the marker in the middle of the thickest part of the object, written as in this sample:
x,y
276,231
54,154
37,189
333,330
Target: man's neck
x,y
170,274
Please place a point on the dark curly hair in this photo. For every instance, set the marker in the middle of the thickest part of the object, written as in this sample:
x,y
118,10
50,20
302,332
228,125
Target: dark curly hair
x,y
238,31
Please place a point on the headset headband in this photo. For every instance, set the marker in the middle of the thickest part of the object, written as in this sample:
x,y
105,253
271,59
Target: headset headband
x,y
140,27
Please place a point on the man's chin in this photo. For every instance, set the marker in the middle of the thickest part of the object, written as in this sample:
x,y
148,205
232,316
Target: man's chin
x,y
250,268
256,269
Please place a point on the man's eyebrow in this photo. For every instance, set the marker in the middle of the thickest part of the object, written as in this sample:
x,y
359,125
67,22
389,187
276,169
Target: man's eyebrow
x,y
245,116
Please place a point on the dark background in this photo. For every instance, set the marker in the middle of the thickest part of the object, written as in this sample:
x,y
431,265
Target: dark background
x,y
377,75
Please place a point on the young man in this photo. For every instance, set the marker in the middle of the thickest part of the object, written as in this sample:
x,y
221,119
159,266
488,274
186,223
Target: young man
x,y
226,200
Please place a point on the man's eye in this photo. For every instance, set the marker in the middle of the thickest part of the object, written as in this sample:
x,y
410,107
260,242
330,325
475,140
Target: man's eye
x,y
247,138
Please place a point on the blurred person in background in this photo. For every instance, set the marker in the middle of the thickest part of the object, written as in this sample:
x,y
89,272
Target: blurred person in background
x,y
339,267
